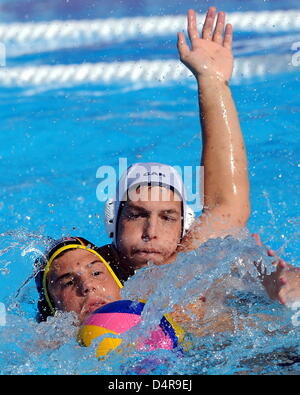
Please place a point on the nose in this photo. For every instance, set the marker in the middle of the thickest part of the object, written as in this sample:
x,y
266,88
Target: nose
x,y
150,229
87,286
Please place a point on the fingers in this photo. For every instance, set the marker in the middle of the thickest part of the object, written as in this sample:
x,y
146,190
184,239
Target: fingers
x,y
219,29
282,280
256,237
182,46
192,27
228,37
217,34
209,23
271,252
281,265
281,300
280,268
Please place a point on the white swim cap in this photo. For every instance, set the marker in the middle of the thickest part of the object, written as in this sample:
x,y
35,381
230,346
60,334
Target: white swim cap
x,y
151,174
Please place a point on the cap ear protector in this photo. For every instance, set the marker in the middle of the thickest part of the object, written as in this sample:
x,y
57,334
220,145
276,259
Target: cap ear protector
x,y
111,217
189,219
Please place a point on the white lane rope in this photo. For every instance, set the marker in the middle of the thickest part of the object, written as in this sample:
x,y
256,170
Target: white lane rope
x,y
45,36
141,71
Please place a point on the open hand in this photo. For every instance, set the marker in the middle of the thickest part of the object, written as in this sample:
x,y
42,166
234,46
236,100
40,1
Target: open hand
x,y
210,55
273,282
284,283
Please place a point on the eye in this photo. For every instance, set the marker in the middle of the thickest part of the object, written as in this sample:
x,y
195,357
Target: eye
x,y
96,273
69,283
169,218
132,216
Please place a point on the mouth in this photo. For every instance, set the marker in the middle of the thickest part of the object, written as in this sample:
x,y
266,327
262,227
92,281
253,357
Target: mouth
x,y
146,252
92,306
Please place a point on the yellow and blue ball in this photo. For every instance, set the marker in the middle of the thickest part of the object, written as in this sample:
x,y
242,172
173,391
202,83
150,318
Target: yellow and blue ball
x,y
119,317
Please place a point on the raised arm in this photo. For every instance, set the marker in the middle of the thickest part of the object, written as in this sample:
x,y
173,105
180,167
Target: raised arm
x,y
226,185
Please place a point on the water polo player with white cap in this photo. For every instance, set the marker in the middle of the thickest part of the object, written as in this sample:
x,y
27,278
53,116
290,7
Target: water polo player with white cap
x,y
145,230
149,215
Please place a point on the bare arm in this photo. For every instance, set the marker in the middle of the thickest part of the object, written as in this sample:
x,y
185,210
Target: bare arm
x,y
210,314
226,185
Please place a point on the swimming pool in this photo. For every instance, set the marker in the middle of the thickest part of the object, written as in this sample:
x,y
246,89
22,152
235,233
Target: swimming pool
x,y
54,137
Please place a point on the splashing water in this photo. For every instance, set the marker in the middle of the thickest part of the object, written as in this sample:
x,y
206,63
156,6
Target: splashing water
x,y
263,336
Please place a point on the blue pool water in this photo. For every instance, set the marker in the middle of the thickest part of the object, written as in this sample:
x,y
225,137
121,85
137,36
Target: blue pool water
x,y
54,140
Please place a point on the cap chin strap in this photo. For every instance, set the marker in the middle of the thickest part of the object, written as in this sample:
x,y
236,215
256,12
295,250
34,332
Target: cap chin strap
x,y
109,218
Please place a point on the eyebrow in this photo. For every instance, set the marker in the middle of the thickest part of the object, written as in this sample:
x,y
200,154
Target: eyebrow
x,y
143,210
171,211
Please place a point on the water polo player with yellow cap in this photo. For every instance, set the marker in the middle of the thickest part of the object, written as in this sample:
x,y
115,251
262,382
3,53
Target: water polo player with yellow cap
x,y
73,276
